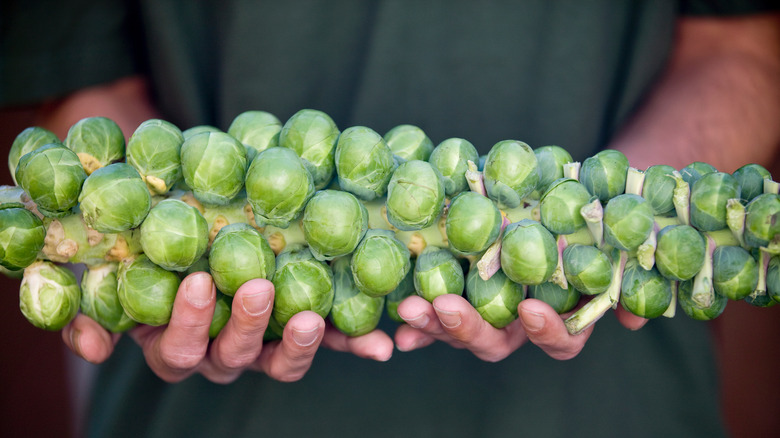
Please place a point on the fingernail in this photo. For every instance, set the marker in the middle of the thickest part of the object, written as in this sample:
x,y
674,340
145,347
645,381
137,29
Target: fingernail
x,y
198,290
533,321
256,304
305,338
418,321
448,318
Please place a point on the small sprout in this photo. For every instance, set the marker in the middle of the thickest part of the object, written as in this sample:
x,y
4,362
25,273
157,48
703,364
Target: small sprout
x,y
214,166
510,173
174,235
697,310
353,313
379,263
437,272
409,142
199,129
222,310
529,253
604,174
628,221
100,300
561,206
644,293
680,252
333,223
364,163
587,268
301,283
735,272
561,299
312,135
415,196
146,290
239,254
114,198
27,141
52,176
404,289
495,299
751,180
762,221
256,130
658,189
49,296
451,158
692,172
773,278
97,141
709,196
550,162
594,309
154,150
473,223
22,237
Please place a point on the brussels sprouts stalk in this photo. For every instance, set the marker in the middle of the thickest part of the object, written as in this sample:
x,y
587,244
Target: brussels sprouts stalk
x,y
475,179
763,266
672,309
635,180
735,219
771,186
559,276
593,213
703,293
490,262
682,199
572,170
597,307
645,254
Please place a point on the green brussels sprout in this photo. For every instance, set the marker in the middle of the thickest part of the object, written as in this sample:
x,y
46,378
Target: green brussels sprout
x,y
415,196
52,176
762,221
409,142
301,283
628,221
495,299
773,278
99,298
380,262
451,159
692,172
98,141
404,290
312,135
256,130
645,293
560,206
199,129
529,253
114,198
510,173
364,163
751,180
278,186
146,290
27,141
473,223
238,254
437,272
761,300
333,223
735,272
22,236
604,174
680,252
550,161
709,195
560,299
174,235
353,313
587,268
658,188
154,150
694,309
223,308
49,296
214,166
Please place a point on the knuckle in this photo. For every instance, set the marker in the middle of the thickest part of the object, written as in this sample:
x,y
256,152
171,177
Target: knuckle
x,y
180,360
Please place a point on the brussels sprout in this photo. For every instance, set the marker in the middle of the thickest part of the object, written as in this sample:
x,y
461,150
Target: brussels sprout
x,y
510,173
256,130
762,221
529,253
52,176
587,268
278,186
99,298
437,272
146,291
199,129
364,163
27,141
174,235
354,313
333,223
560,299
415,196
773,278
496,299
604,174
735,272
473,223
680,252
658,188
49,295
214,166
409,143
695,310
98,141
222,311
645,293
154,150
751,180
692,172
301,283
550,161
238,254
561,204
450,158
709,195
22,236
628,221
404,289
312,135
379,263
114,198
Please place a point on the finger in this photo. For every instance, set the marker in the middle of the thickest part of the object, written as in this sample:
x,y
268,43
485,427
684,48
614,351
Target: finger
x,y
375,345
173,352
288,360
629,320
88,339
546,329
408,338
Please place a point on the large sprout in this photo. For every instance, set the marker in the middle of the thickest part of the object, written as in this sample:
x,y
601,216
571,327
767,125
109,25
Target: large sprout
x,y
312,135
550,161
658,188
510,173
645,293
379,263
692,172
529,253
238,254
680,252
256,130
495,299
409,142
561,204
278,186
415,196
751,180
27,141
404,290
301,283
198,129
146,290
174,235
451,159
114,198
697,310
761,223
100,300
49,296
354,313
560,299
628,221
22,236
52,176
437,272
587,268
709,195
473,223
604,174
214,166
364,163
154,150
333,223
98,142
735,272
